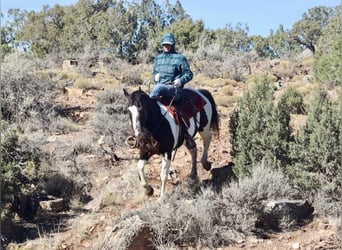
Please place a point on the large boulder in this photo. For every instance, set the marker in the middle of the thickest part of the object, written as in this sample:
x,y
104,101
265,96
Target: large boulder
x,y
280,214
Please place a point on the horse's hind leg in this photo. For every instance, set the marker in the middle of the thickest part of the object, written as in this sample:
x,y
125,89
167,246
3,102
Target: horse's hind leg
x,y
206,136
193,153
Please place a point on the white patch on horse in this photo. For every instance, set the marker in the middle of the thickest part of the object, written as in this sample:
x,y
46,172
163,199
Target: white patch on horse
x,y
171,120
135,120
192,127
207,109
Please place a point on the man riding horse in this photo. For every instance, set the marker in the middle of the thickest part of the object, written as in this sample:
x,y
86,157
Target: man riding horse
x,y
171,71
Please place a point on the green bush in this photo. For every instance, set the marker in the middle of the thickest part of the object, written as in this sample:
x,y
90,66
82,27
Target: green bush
x,y
327,59
20,169
294,100
316,151
259,129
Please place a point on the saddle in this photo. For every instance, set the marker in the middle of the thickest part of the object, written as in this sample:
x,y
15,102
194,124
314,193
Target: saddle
x,y
184,108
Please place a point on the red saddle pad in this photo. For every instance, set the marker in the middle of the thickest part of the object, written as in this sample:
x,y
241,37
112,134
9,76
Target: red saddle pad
x,y
190,102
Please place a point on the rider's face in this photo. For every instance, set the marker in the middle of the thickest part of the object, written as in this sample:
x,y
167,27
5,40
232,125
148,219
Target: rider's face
x,y
167,47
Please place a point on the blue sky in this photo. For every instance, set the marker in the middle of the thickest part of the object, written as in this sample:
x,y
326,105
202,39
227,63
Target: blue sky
x,y
261,16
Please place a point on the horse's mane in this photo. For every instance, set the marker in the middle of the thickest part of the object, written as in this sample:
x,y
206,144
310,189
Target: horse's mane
x,y
150,109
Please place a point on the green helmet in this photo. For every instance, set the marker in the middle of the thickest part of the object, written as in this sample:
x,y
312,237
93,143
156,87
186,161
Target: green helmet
x,y
168,38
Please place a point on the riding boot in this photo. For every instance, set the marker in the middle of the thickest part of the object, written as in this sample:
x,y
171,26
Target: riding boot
x,y
189,141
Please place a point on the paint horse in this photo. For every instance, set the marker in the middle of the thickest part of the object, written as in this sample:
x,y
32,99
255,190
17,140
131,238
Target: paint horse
x,y
158,131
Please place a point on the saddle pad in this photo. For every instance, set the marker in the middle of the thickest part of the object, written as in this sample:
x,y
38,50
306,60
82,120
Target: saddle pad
x,y
189,102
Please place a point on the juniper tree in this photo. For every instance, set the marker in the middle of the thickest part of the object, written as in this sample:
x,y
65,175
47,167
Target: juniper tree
x,y
259,129
316,151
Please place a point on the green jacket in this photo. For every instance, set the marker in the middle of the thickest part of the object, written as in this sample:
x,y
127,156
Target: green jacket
x,y
171,66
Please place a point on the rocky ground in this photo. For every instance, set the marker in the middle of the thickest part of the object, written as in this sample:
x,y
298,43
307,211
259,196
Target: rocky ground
x,y
86,226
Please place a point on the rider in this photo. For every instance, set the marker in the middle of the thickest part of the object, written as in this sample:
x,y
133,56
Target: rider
x,y
171,71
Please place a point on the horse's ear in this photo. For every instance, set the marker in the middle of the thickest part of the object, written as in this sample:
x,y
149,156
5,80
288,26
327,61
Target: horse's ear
x,y
126,93
139,88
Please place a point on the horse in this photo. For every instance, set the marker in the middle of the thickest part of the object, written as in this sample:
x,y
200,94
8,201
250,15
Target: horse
x,y
158,129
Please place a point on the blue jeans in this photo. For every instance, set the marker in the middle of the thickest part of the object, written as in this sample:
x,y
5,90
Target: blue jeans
x,y
166,90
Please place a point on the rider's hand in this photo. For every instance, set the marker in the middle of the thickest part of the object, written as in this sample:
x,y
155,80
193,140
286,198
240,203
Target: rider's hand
x,y
177,83
156,77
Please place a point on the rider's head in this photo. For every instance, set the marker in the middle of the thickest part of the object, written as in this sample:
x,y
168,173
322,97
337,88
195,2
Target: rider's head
x,y
168,42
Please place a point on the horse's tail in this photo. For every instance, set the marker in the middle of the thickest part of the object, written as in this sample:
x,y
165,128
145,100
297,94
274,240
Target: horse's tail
x,y
215,120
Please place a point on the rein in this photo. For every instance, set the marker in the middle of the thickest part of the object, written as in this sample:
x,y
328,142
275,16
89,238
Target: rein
x,y
158,125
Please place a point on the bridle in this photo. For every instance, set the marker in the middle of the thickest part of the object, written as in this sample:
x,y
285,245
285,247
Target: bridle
x,y
135,145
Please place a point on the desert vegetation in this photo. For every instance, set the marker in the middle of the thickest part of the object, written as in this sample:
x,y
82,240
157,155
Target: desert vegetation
x,y
63,129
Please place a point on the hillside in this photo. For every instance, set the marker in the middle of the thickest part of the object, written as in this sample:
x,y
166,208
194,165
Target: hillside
x,y
113,188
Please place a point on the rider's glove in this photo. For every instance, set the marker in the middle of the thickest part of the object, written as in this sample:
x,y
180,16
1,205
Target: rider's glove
x,y
156,77
177,83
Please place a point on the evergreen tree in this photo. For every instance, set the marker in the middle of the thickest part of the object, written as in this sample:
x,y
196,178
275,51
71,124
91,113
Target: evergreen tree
x,y
316,151
259,130
308,30
327,64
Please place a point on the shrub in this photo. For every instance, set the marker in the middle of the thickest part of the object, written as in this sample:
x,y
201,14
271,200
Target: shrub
x,y
20,168
226,101
111,119
327,59
205,219
85,83
26,97
316,151
259,130
293,100
227,90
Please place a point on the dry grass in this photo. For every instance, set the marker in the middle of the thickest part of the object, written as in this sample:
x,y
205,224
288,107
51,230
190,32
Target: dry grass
x,y
297,121
227,90
85,83
226,101
306,90
108,197
199,217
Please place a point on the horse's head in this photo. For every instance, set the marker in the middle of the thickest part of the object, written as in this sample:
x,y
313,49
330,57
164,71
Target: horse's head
x,y
138,107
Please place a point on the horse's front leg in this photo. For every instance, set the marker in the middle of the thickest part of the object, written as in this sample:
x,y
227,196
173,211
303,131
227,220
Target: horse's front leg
x,y
166,162
143,182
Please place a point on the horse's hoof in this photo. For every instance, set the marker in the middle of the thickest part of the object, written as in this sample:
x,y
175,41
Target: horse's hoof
x,y
206,165
149,190
192,177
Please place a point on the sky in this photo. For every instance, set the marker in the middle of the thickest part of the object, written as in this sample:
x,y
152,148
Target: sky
x,y
261,16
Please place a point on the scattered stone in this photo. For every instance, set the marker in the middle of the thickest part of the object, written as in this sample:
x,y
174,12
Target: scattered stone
x,y
56,205
73,92
296,245
240,241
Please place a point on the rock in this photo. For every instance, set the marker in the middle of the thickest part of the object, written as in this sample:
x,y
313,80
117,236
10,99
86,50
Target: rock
x,y
73,92
131,234
296,245
55,205
276,212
